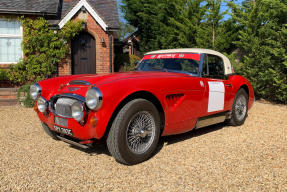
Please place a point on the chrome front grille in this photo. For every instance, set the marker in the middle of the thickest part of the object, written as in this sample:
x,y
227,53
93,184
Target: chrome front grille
x,y
63,107
61,121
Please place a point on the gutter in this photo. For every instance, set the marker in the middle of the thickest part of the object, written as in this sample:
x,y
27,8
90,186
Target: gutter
x,y
111,29
26,12
111,52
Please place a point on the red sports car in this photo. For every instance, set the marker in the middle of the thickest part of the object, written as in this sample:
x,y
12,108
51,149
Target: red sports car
x,y
170,92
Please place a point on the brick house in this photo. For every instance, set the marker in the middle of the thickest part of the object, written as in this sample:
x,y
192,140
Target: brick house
x,y
92,51
131,44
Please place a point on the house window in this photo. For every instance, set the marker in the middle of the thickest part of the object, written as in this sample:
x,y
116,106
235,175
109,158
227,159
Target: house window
x,y
10,41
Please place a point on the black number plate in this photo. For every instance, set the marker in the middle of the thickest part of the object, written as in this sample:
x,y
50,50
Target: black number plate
x,y
63,130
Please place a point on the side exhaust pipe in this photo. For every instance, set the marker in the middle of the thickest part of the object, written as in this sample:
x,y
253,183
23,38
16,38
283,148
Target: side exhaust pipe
x,y
73,142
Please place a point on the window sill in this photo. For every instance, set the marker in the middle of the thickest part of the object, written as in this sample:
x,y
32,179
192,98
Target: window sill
x,y
8,63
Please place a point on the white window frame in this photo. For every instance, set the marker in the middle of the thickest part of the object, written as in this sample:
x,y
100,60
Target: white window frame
x,y
13,36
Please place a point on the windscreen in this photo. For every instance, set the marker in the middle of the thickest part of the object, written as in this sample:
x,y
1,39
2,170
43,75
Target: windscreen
x,y
180,62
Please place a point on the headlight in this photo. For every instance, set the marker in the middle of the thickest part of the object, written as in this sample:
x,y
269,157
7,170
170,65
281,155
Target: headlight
x,y
77,111
35,91
94,98
42,104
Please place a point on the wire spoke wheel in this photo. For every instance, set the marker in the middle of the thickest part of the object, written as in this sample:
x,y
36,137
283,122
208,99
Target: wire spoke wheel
x,y
135,132
141,132
240,107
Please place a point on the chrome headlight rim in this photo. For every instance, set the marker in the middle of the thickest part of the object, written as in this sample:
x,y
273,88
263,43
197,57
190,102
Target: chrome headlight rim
x,y
42,104
94,99
35,91
78,115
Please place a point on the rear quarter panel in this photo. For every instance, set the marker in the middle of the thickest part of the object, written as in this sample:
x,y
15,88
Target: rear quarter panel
x,y
238,82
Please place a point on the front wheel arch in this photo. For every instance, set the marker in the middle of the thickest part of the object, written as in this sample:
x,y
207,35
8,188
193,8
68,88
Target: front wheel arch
x,y
137,95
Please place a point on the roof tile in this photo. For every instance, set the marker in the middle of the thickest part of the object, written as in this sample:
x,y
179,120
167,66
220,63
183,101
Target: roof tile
x,y
30,6
106,9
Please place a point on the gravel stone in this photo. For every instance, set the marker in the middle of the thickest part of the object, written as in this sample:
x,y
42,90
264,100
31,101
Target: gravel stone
x,y
252,157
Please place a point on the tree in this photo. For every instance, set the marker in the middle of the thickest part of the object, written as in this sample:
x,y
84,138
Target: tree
x,y
183,23
213,31
125,30
164,24
262,41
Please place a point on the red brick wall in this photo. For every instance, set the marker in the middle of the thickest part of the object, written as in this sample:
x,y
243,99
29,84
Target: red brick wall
x,y
5,66
102,50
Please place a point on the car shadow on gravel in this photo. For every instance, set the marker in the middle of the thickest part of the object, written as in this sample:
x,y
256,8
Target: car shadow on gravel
x,y
193,133
169,140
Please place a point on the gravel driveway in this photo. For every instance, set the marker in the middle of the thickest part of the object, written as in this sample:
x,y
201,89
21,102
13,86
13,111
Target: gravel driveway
x,y
252,157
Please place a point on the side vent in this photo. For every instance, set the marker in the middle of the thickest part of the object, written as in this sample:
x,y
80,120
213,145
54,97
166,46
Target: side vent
x,y
173,100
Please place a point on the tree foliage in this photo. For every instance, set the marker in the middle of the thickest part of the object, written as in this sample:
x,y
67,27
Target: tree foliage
x,y
263,42
166,24
125,30
43,49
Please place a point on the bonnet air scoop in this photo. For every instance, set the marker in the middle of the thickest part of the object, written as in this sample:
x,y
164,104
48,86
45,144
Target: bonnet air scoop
x,y
79,82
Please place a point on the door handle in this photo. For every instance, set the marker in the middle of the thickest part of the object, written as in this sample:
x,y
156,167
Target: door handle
x,y
228,85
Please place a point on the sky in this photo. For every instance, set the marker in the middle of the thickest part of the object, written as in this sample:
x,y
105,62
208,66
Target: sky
x,y
120,12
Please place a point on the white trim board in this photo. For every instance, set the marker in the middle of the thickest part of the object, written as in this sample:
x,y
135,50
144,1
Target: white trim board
x,y
80,4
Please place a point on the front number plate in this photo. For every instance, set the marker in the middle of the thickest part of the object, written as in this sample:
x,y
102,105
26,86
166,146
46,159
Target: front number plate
x,y
63,130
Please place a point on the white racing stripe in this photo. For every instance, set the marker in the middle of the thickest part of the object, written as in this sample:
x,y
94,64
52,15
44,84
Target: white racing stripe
x,y
216,96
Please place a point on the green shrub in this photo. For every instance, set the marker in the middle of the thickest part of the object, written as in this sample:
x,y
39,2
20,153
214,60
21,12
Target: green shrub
x,y
43,49
120,61
24,97
4,75
126,62
134,59
18,73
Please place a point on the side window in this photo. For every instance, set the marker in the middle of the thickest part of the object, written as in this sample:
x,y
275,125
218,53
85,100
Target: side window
x,y
215,67
189,65
205,72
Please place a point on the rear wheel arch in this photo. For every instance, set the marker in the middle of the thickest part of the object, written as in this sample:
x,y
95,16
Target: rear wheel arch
x,y
245,88
235,120
137,95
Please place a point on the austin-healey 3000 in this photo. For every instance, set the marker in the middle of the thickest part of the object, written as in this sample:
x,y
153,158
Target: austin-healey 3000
x,y
170,92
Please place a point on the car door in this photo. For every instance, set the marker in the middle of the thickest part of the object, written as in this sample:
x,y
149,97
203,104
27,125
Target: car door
x,y
217,97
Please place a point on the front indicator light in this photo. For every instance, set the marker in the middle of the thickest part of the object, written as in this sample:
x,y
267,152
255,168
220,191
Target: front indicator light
x,y
42,104
35,108
93,121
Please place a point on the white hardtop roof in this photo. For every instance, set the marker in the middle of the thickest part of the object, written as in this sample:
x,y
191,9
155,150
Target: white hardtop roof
x,y
227,64
185,50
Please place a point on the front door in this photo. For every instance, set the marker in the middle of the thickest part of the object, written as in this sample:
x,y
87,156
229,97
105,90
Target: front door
x,y
83,54
218,95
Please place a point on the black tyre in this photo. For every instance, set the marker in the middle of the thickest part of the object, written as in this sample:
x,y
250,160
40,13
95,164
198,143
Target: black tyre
x,y
49,132
239,108
135,132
